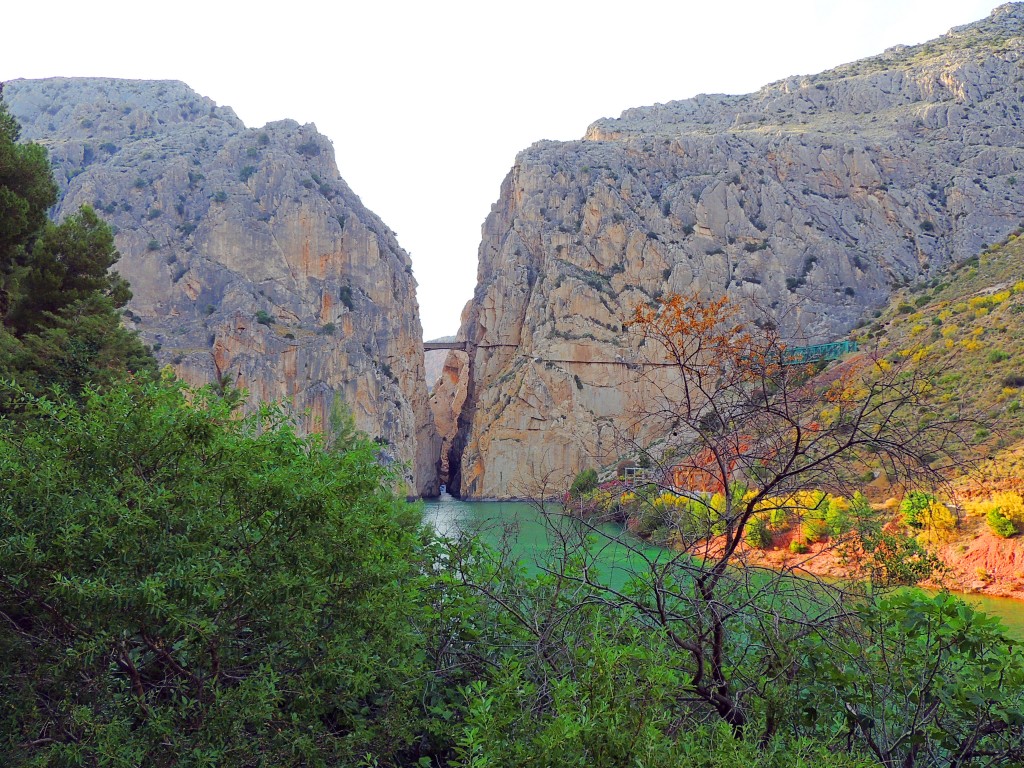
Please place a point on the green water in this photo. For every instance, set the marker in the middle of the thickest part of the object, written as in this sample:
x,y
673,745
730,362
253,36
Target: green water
x,y
524,525
531,538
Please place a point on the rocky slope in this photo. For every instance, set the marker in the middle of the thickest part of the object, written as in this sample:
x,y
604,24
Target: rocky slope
x,y
250,259
810,200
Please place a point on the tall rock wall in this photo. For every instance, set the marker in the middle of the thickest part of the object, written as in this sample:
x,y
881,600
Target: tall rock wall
x,y
446,401
808,200
250,259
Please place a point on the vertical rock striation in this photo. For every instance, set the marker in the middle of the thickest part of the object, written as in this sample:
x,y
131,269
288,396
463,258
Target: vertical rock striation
x,y
251,261
808,200
446,401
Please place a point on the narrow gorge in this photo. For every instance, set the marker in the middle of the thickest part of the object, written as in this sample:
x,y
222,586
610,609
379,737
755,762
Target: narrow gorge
x,y
254,265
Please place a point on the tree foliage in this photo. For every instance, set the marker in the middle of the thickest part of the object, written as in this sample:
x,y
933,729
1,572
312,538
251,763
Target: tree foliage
x,y
741,416
27,191
182,587
58,298
922,680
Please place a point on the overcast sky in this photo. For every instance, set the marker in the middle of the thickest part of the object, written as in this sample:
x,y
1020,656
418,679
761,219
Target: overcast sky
x,y
427,103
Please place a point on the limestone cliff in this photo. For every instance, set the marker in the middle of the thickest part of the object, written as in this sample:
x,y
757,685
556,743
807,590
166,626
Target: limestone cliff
x,y
447,397
811,199
250,259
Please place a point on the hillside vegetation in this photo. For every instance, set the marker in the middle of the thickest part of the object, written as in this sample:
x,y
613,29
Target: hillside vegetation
x,y
964,330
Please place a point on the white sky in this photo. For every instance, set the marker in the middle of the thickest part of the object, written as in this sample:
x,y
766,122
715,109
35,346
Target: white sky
x,y
427,103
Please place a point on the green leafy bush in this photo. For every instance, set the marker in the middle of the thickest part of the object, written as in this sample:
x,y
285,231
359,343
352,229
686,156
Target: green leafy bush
x,y
814,530
1000,524
758,534
180,586
935,683
585,482
913,508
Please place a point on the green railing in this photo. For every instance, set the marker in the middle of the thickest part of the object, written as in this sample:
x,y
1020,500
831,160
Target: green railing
x,y
812,354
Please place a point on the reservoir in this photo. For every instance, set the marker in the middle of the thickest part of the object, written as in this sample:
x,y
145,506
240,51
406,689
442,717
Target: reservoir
x,y
524,527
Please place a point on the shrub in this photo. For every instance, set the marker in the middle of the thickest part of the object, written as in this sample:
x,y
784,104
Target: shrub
x,y
814,530
758,536
797,547
220,196
153,245
837,519
1001,525
246,172
913,508
937,521
1008,504
997,356
264,318
585,482
238,575
327,329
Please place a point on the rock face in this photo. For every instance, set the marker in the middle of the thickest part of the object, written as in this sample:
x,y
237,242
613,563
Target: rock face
x,y
446,401
809,199
250,259
434,361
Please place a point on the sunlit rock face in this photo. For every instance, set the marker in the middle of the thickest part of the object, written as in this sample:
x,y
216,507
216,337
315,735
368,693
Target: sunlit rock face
x,y
808,200
251,261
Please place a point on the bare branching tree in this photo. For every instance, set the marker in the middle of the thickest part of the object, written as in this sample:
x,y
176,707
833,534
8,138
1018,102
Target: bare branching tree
x,y
748,433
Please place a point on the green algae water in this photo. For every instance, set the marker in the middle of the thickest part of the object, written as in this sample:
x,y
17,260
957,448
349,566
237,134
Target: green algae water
x,y
524,526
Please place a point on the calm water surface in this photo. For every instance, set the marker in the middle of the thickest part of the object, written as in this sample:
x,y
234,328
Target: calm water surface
x,y
524,525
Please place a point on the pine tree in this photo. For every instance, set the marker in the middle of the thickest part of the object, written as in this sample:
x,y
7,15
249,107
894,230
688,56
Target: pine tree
x,y
59,301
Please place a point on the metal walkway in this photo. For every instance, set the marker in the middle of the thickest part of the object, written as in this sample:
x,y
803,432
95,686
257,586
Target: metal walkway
x,y
812,354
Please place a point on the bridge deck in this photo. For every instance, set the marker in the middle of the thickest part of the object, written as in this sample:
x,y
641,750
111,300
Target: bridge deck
x,y
429,346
